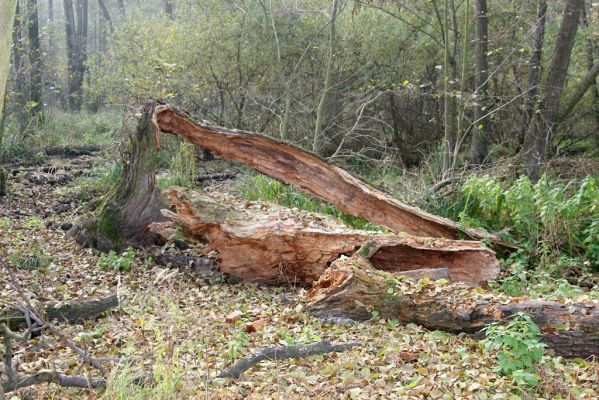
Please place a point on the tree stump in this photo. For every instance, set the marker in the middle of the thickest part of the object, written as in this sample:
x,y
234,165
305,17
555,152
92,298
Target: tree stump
x,y
134,202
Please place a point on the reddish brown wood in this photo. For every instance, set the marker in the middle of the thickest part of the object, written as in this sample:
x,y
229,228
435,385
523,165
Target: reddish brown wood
x,y
266,243
312,175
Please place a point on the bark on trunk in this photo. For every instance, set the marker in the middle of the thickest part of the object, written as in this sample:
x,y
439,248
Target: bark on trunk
x,y
266,243
133,203
71,312
353,289
478,149
35,61
541,131
313,176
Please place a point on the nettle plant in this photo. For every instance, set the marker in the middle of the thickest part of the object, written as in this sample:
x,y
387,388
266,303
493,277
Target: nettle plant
x,y
112,261
518,348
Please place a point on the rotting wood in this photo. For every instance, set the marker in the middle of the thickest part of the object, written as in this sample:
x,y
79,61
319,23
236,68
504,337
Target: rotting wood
x,y
71,312
133,202
314,176
283,353
266,243
352,289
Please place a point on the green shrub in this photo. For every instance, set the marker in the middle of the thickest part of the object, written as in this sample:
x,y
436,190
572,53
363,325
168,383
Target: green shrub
x,y
518,346
548,219
112,261
33,258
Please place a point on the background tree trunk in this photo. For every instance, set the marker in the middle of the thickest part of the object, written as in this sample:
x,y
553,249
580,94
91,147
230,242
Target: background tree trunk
x,y
449,98
35,61
168,9
539,135
76,35
326,92
19,68
478,149
534,69
7,17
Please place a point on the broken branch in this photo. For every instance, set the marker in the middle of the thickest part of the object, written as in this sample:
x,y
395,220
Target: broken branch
x,y
282,353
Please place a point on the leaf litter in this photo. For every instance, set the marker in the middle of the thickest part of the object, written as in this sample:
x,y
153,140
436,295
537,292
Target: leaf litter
x,y
179,331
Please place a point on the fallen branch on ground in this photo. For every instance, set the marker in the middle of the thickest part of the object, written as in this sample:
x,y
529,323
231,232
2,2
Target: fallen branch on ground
x,y
282,353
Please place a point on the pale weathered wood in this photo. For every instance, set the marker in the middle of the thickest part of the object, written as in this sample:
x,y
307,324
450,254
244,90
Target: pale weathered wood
x,y
353,289
312,175
266,243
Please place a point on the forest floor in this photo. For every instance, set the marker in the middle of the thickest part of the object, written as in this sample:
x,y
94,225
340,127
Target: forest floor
x,y
171,325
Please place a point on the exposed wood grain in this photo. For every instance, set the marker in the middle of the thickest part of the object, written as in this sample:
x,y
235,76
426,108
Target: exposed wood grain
x,y
266,243
312,175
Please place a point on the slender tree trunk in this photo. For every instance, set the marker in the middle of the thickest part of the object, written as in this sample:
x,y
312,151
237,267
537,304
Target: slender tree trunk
x,y
82,29
106,16
71,39
168,9
7,17
449,99
19,66
35,61
534,69
591,54
478,149
317,142
538,137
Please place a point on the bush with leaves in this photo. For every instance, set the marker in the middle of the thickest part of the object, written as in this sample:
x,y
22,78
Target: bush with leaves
x,y
518,346
112,261
548,219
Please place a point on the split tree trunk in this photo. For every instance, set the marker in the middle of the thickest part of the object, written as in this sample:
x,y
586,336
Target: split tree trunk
x,y
133,203
313,176
353,289
266,243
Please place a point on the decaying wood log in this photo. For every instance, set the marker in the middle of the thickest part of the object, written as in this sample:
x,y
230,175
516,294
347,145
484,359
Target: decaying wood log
x,y
266,243
134,202
283,353
352,289
71,312
69,151
313,176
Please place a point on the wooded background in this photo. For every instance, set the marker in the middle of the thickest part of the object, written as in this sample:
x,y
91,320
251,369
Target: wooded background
x,y
453,82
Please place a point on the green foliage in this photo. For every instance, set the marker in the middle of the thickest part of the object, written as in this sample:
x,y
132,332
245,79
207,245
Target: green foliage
x,y
260,187
548,219
34,223
519,281
183,170
518,346
107,176
33,258
236,345
112,261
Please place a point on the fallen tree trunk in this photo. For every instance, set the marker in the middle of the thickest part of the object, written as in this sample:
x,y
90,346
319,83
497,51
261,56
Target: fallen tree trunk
x,y
266,243
353,289
313,176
